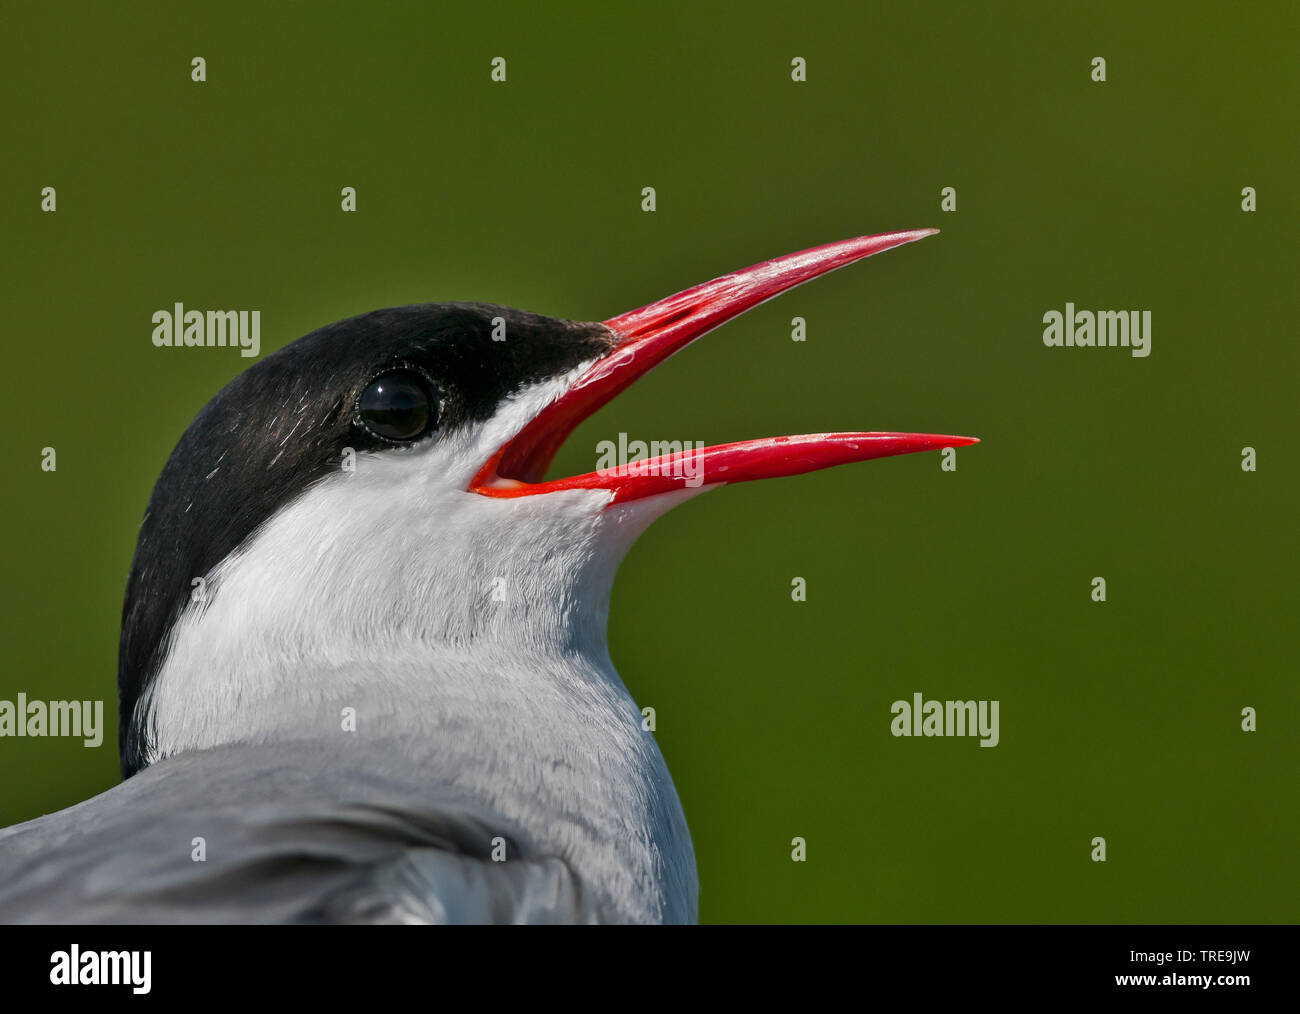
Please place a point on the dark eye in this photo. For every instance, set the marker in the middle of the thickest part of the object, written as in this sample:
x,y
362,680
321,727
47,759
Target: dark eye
x,y
397,406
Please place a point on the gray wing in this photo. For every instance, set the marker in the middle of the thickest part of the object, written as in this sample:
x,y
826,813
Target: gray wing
x,y
287,837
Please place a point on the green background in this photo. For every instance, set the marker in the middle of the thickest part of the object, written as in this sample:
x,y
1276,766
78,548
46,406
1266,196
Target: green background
x,y
1119,719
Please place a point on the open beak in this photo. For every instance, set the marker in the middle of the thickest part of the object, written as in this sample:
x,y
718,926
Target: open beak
x,y
648,336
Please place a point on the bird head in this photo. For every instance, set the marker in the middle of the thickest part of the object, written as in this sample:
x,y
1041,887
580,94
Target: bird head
x,y
379,487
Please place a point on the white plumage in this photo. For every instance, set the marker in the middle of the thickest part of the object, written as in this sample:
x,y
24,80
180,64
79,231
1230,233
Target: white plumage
x,y
473,622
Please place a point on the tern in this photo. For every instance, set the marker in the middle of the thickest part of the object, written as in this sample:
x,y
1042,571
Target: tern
x,y
363,671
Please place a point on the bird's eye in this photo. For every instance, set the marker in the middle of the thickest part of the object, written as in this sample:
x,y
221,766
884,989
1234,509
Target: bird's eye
x,y
397,406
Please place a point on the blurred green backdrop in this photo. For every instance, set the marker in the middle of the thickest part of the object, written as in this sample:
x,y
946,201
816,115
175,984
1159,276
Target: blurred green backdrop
x,y
1119,719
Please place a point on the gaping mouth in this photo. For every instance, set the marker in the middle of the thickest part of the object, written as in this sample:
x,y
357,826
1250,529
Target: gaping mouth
x,y
648,336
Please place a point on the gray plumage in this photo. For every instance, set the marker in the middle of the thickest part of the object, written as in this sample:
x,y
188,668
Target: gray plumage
x,y
359,842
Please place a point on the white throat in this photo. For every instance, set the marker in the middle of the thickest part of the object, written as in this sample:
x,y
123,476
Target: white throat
x,y
477,624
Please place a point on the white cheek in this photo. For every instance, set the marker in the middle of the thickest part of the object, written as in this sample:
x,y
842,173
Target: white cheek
x,y
461,455
389,566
